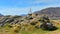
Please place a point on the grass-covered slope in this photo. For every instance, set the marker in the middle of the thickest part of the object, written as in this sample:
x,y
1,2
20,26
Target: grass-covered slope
x,y
28,29
25,25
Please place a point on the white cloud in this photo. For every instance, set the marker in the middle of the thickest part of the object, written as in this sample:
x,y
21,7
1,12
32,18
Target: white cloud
x,y
13,11
19,11
52,2
24,10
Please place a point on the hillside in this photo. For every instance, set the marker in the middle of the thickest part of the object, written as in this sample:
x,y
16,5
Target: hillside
x,y
24,25
51,12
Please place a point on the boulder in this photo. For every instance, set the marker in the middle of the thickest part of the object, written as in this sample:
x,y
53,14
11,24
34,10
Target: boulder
x,y
48,26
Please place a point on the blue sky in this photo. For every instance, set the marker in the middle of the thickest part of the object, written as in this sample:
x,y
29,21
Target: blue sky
x,y
18,7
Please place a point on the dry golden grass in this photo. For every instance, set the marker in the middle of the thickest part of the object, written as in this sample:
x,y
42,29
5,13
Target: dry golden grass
x,y
27,28
56,22
54,32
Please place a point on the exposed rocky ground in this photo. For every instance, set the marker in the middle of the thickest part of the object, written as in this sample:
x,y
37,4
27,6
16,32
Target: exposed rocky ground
x,y
18,19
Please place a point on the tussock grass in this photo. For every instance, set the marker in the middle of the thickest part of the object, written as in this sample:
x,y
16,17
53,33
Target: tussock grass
x,y
28,29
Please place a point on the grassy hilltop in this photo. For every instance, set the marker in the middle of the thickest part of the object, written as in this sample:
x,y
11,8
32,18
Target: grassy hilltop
x,y
25,25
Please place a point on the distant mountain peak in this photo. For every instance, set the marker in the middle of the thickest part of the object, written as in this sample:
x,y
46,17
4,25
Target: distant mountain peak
x,y
1,14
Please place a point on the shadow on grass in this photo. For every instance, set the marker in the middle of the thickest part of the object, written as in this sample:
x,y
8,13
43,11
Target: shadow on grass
x,y
51,29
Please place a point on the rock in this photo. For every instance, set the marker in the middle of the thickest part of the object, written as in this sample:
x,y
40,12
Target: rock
x,y
46,24
9,20
2,22
48,27
15,21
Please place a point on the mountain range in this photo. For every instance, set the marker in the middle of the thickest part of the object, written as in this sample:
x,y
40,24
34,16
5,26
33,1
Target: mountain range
x,y
51,11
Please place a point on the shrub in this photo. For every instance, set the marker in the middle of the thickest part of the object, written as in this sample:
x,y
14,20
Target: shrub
x,y
33,23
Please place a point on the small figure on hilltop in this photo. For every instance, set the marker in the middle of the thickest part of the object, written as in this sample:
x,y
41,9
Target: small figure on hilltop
x,y
46,24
